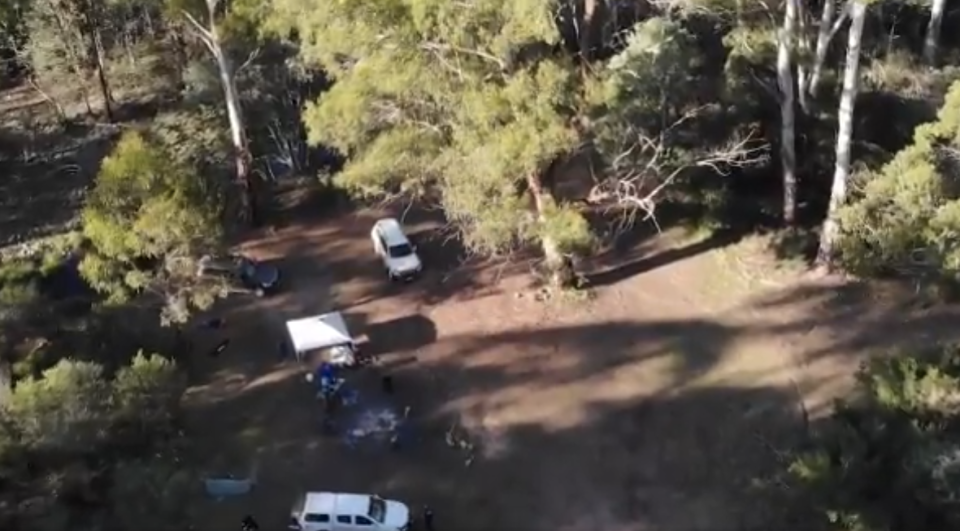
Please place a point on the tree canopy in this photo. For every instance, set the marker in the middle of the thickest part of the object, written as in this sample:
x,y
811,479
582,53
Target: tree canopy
x,y
545,125
888,457
473,101
147,219
75,430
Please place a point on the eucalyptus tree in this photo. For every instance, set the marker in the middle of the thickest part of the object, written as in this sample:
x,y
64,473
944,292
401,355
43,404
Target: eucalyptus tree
x,y
210,20
786,65
932,39
66,39
475,101
826,253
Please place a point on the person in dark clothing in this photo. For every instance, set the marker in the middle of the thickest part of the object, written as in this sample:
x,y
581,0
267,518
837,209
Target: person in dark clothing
x,y
387,384
428,518
330,403
249,524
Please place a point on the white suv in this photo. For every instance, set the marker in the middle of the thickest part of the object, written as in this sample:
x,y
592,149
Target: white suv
x,y
394,248
329,511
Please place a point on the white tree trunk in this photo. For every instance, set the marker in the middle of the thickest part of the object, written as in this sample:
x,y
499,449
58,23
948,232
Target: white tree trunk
x,y
238,133
932,40
587,27
802,58
828,28
838,191
788,158
558,268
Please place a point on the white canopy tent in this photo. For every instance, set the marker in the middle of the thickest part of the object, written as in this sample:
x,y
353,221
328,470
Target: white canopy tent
x,y
320,332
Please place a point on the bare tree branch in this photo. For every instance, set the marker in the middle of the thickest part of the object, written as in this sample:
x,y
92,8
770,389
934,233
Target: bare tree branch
x,y
204,34
841,18
435,46
250,59
634,188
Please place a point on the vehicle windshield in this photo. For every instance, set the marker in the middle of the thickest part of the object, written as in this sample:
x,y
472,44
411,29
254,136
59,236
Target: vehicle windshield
x,y
400,251
378,509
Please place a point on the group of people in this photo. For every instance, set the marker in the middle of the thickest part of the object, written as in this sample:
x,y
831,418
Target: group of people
x,y
329,385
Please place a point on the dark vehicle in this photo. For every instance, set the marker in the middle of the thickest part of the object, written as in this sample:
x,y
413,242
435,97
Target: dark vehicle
x,y
242,272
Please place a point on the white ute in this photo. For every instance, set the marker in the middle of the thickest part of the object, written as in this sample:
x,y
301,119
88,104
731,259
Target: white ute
x,y
394,248
330,511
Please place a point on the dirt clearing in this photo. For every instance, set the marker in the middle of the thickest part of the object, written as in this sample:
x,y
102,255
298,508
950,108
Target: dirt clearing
x,y
655,404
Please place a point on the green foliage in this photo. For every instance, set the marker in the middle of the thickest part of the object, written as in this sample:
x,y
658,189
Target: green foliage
x,y
148,391
17,271
890,459
147,487
752,53
56,43
196,138
65,410
905,216
20,302
494,114
645,89
73,424
147,219
16,300
657,113
201,83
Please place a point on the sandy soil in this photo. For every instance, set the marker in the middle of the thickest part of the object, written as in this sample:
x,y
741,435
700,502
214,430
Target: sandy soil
x,y
654,404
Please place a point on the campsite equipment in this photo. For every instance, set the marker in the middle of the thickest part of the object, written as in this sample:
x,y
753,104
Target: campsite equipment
x,y
323,339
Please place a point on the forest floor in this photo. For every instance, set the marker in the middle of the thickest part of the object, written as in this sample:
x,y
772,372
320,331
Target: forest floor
x,y
654,401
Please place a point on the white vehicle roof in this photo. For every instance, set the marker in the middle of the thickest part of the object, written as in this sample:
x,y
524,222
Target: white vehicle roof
x,y
318,331
336,503
391,231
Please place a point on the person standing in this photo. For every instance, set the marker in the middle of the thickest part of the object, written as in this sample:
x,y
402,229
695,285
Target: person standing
x,y
428,518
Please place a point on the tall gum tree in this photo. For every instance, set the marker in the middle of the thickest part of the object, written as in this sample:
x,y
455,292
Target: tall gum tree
x,y
826,31
474,101
932,39
207,18
826,254
66,38
786,39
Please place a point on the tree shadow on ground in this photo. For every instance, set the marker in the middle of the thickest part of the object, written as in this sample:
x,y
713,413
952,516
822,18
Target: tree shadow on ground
x,y
581,428
43,188
340,248
404,334
663,258
609,425
852,316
